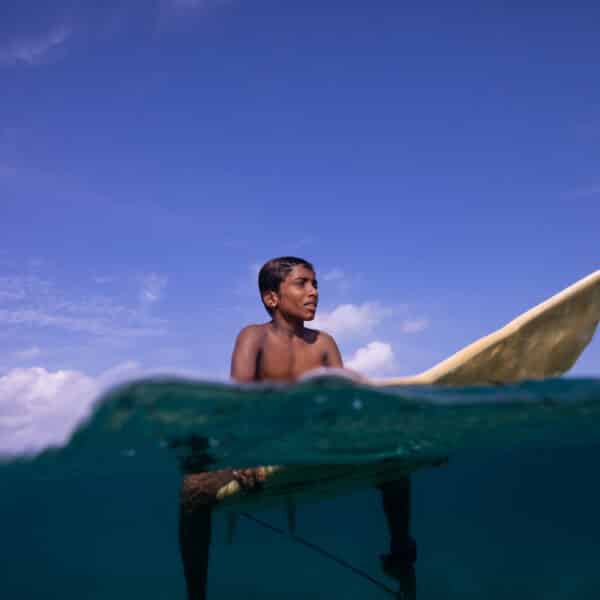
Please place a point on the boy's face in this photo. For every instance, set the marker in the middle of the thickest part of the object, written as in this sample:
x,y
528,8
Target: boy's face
x,y
298,295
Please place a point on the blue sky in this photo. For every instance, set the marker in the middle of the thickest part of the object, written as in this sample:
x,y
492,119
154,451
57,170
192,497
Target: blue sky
x,y
438,163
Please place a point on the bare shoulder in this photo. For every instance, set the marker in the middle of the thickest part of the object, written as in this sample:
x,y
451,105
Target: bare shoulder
x,y
251,334
252,330
245,353
326,344
322,337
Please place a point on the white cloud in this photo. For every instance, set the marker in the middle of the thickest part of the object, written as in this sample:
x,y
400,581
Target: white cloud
x,y
152,287
38,31
18,287
40,408
339,280
414,325
28,353
33,301
92,325
33,49
119,373
349,320
376,358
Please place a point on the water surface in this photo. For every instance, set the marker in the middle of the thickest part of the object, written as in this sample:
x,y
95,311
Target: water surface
x,y
513,513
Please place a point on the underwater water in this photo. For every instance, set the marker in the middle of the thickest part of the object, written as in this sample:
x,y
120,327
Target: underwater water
x,y
514,512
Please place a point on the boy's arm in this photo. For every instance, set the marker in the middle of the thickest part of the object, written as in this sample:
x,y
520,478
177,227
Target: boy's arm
x,y
245,354
332,355
333,359
243,369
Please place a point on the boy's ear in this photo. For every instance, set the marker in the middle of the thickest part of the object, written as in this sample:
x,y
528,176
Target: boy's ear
x,y
270,299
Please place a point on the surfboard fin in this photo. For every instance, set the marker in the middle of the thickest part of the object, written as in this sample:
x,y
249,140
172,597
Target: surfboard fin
x,y
290,513
232,519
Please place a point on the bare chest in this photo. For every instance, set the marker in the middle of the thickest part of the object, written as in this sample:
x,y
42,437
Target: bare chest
x,y
288,359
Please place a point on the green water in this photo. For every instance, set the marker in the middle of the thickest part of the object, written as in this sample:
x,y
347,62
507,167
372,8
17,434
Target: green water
x,y
513,515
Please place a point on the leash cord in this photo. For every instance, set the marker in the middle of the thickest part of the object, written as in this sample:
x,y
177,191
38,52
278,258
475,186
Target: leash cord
x,y
322,552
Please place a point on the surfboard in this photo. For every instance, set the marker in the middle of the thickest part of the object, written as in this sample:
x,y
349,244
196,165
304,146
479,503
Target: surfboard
x,y
545,341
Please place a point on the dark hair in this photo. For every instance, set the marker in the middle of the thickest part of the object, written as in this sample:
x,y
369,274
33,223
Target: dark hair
x,y
274,271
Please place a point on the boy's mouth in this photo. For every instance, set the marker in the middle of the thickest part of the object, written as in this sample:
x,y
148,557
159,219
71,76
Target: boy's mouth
x,y
311,304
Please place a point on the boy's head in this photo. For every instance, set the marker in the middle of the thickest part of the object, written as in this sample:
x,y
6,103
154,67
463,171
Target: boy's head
x,y
297,293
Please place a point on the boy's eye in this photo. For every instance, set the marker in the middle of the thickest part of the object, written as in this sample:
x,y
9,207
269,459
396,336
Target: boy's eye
x,y
303,282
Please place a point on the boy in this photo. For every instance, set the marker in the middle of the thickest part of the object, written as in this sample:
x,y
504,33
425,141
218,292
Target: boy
x,y
282,349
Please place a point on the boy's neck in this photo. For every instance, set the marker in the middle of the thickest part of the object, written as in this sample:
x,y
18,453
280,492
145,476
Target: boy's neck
x,y
287,326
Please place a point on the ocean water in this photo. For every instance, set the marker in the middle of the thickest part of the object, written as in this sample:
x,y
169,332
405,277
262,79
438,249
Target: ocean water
x,y
513,513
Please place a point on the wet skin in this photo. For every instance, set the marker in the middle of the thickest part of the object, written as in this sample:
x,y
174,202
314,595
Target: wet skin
x,y
281,350
284,348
